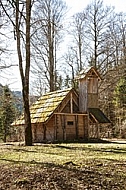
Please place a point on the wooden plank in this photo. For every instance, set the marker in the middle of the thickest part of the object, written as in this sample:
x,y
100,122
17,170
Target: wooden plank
x,y
63,126
76,125
92,100
83,96
71,103
85,120
55,127
57,113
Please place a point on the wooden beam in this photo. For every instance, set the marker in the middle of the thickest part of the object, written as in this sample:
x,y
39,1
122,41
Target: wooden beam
x,y
55,128
71,114
76,126
71,103
94,118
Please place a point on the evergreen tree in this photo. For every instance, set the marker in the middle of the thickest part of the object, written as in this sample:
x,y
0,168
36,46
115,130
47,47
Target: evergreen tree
x,y
120,107
120,93
7,113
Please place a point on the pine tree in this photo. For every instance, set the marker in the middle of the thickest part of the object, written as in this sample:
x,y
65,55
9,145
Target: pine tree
x,y
7,113
120,106
120,93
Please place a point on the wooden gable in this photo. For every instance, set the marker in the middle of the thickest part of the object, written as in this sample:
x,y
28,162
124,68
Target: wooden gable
x,y
45,106
88,72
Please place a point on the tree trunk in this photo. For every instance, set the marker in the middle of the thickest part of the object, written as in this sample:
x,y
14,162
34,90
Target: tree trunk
x,y
51,54
28,130
80,53
95,41
25,77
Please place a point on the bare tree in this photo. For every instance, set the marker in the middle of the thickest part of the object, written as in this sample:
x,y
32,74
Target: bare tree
x,y
115,71
122,32
25,76
77,32
48,18
98,19
22,11
88,31
5,42
89,34
71,62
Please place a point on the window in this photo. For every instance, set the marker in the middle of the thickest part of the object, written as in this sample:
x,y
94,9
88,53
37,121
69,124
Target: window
x,y
70,122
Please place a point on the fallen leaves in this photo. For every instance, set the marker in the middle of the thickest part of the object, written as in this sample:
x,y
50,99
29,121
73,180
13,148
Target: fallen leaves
x,y
59,177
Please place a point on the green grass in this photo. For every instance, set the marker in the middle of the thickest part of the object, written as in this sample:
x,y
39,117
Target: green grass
x,y
79,153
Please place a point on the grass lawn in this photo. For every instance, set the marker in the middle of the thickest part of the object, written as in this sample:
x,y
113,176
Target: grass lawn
x,y
63,166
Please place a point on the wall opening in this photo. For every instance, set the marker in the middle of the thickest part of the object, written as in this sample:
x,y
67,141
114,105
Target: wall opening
x,y
70,123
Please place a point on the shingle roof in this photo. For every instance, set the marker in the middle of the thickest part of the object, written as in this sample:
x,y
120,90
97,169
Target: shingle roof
x,y
84,72
98,115
42,109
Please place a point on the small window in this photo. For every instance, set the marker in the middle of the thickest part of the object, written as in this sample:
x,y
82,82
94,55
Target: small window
x,y
70,122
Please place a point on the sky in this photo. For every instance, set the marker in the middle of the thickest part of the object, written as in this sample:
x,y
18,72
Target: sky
x,y
74,6
78,5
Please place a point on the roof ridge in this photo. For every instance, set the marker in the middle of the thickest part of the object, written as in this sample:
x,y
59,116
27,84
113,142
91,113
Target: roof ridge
x,y
56,91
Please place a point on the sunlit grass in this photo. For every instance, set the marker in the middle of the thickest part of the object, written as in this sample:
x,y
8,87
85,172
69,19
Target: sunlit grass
x,y
79,153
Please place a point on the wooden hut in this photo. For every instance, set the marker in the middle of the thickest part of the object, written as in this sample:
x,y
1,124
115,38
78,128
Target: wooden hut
x,y
55,117
66,114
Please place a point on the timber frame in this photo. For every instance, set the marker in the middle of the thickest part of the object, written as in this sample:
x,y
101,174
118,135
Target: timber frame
x,y
71,126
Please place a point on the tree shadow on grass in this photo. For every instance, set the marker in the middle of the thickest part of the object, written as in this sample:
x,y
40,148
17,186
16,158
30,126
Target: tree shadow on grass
x,y
111,150
24,150
70,165
66,165
66,176
94,149
89,140
116,162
